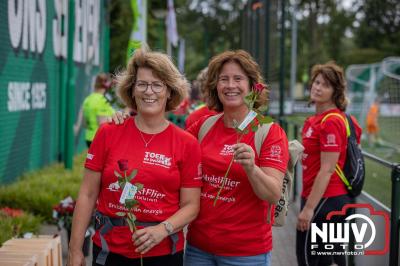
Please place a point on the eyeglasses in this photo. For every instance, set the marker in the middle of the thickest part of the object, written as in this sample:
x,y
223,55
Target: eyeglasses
x,y
156,86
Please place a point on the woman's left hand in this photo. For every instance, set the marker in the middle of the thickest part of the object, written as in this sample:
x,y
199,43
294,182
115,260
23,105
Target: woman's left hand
x,y
304,219
244,154
148,237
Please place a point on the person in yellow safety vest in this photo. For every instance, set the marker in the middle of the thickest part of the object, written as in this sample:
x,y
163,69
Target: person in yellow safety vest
x,y
95,108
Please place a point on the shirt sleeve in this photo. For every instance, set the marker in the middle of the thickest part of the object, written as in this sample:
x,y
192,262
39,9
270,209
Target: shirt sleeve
x,y
333,135
190,168
96,156
274,150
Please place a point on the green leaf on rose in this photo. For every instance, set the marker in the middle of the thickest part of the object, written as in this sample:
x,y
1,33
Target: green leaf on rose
x,y
249,96
254,128
265,119
139,186
247,101
132,175
263,108
130,203
121,183
117,174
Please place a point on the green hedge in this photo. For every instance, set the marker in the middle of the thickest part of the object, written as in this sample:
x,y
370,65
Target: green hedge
x,y
18,226
38,191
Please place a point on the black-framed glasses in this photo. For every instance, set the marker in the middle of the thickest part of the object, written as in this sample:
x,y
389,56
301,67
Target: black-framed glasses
x,y
156,86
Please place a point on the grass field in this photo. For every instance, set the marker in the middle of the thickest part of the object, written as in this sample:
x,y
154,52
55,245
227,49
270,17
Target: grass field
x,y
378,177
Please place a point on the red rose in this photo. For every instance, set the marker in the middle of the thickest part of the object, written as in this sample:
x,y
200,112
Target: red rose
x,y
70,209
258,87
123,165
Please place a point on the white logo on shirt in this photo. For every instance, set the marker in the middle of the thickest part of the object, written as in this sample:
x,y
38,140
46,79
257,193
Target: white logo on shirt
x,y
113,186
304,156
275,155
199,172
89,156
227,150
276,151
330,140
309,132
157,159
149,194
216,181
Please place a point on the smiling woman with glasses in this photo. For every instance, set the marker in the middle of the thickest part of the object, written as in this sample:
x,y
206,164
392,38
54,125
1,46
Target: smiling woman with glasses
x,y
167,160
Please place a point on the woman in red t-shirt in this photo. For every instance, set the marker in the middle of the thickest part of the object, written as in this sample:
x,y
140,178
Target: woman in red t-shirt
x,y
236,229
167,160
325,141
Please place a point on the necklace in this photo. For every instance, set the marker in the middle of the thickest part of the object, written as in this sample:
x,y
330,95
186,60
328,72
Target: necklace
x,y
146,143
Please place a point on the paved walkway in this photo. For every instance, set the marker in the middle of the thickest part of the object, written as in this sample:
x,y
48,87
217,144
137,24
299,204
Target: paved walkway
x,y
284,240
283,254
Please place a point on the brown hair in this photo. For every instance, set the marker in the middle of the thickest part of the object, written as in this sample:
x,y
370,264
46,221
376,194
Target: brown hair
x,y
101,80
162,67
249,66
334,75
201,79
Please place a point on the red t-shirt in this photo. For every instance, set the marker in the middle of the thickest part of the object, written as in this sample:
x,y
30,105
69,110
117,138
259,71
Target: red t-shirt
x,y
197,114
237,225
163,168
330,136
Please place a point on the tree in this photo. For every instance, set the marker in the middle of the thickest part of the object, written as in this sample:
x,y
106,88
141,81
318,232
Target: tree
x,y
208,26
120,29
379,25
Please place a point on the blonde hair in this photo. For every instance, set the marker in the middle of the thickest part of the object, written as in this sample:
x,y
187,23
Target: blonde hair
x,y
162,67
334,75
248,65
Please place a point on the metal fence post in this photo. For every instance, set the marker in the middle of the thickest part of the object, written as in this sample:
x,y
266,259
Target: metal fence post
x,y
70,94
295,135
282,62
394,217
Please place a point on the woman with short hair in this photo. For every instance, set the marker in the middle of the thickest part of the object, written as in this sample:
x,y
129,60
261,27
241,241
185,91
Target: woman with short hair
x,y
167,160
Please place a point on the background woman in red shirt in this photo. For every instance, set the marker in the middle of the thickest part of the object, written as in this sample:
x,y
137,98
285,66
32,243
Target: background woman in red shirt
x,y
325,145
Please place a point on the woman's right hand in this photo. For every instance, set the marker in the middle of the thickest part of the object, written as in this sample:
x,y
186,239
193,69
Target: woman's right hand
x,y
76,258
118,117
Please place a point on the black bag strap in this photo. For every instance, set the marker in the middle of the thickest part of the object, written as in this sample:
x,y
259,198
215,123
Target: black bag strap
x,y
104,224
